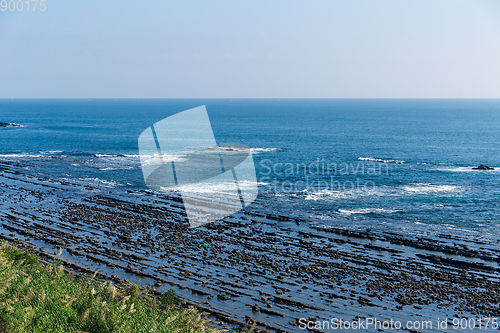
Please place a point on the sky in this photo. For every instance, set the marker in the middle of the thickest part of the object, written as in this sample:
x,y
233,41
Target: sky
x,y
251,49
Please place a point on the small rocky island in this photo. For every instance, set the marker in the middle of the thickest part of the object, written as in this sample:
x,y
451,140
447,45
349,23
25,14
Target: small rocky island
x,y
9,125
483,167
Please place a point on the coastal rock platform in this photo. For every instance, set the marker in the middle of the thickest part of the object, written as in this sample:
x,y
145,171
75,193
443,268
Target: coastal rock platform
x,y
257,266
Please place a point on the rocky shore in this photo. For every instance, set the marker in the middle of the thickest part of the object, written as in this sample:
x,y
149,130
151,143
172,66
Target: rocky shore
x,y
257,266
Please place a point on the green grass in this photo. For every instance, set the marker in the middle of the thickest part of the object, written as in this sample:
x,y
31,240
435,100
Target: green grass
x,y
44,298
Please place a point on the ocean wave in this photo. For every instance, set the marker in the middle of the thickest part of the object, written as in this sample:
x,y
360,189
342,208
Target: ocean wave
x,y
367,211
427,188
373,159
432,163
51,152
113,162
114,169
117,155
218,186
118,168
264,150
380,191
103,162
155,159
329,195
106,183
22,155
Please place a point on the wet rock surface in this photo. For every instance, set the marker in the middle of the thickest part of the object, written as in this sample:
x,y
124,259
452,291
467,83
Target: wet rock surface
x,y
9,125
483,167
254,267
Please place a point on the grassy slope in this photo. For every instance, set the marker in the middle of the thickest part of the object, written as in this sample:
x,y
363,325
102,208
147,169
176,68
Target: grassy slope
x,y
44,298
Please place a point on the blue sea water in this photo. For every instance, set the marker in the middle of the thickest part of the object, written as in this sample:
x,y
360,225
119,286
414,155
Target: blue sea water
x,y
386,164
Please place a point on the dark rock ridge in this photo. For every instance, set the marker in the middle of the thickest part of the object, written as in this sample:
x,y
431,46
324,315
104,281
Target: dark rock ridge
x,y
9,125
483,167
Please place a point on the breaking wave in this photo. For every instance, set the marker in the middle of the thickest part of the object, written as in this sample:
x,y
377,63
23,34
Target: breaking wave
x,y
373,159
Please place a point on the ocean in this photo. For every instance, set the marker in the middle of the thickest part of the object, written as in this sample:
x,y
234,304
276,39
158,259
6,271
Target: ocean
x,y
402,164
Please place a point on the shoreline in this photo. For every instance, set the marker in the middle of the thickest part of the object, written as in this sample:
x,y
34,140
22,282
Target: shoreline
x,y
264,267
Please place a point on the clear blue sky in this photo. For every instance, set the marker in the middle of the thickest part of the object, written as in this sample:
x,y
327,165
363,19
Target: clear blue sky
x,y
253,48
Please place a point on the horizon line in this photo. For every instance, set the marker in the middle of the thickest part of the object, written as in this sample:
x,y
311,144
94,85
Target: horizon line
x,y
242,98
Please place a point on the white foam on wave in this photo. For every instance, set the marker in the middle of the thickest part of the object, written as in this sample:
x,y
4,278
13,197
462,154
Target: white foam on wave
x,y
22,155
327,194
425,188
49,152
381,191
118,168
367,211
434,206
373,159
217,186
106,183
324,194
155,159
253,150
118,155
264,150
111,162
457,228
